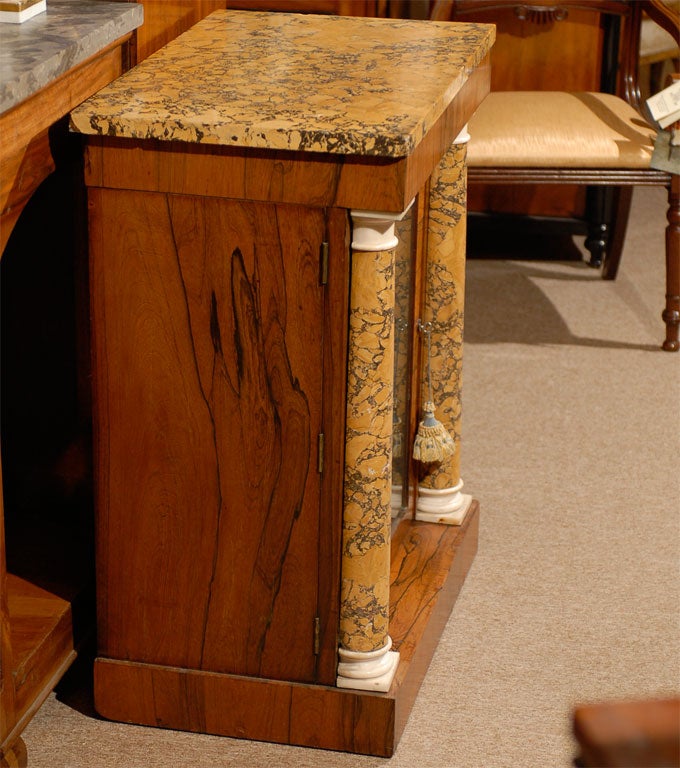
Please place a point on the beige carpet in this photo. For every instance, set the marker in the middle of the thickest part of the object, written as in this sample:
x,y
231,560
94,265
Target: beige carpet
x,y
572,446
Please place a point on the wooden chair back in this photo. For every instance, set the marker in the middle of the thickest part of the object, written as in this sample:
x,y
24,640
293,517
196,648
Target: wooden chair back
x,y
597,49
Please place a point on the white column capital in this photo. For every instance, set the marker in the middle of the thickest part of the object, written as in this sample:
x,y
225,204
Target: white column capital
x,y
374,230
463,137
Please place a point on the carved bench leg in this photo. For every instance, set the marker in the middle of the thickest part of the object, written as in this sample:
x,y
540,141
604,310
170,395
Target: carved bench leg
x,y
15,757
671,314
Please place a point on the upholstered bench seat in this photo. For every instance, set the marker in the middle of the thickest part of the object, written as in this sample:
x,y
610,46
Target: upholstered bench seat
x,y
555,129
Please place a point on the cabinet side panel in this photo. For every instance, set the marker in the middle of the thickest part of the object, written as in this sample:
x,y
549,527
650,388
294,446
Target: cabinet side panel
x,y
156,471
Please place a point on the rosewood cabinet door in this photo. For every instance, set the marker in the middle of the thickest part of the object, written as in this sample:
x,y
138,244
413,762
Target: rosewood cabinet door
x,y
208,320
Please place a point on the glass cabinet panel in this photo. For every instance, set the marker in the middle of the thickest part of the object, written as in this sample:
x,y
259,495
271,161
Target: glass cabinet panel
x,y
403,331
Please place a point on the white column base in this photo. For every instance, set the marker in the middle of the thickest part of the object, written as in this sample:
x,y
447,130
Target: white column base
x,y
368,671
447,506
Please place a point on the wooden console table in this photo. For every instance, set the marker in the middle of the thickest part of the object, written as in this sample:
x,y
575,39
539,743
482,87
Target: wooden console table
x,y
256,190
49,65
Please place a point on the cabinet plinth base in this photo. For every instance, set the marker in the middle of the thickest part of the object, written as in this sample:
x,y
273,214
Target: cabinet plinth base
x,y
429,566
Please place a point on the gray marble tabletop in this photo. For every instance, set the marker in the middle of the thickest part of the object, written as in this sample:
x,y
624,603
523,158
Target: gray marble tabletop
x,y
35,53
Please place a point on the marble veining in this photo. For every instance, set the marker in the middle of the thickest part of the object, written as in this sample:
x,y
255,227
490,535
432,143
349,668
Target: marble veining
x,y
364,597
297,82
37,52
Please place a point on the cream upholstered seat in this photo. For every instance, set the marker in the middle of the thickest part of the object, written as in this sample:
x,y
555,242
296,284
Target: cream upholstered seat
x,y
597,139
552,128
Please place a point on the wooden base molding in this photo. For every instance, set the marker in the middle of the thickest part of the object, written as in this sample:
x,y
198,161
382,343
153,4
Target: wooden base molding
x,y
428,569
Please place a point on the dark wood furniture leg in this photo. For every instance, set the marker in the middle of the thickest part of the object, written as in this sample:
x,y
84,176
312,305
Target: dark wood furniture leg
x,y
671,314
598,224
619,207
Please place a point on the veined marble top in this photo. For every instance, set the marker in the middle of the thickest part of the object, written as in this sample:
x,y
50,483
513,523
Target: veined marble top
x,y
35,53
314,83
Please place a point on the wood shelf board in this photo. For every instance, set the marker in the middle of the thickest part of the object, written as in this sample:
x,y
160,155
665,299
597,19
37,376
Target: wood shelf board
x,y
41,633
430,563
48,601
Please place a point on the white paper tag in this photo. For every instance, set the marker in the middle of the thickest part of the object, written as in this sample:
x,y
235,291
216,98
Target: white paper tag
x,y
665,105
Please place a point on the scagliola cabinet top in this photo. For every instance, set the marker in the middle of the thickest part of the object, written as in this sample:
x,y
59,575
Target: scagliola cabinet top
x,y
295,82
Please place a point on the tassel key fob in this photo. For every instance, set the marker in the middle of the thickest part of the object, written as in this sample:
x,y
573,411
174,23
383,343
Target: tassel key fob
x,y
432,443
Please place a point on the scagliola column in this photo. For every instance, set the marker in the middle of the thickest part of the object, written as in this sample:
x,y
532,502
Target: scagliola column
x,y
439,487
365,659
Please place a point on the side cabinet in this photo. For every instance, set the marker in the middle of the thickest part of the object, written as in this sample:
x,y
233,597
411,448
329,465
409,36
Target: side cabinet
x,y
213,395
270,563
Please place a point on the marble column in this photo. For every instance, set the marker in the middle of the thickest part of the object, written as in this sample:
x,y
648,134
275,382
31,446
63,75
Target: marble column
x,y
365,659
439,485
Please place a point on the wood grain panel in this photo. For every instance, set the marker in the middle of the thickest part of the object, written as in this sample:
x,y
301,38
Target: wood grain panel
x,y
41,627
208,319
164,20
339,7
430,563
285,713
549,55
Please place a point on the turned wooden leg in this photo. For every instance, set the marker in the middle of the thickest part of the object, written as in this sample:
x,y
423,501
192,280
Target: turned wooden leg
x,y
671,314
15,757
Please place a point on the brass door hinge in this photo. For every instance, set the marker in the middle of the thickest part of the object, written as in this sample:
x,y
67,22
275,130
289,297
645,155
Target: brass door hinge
x,y
323,268
320,453
317,636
